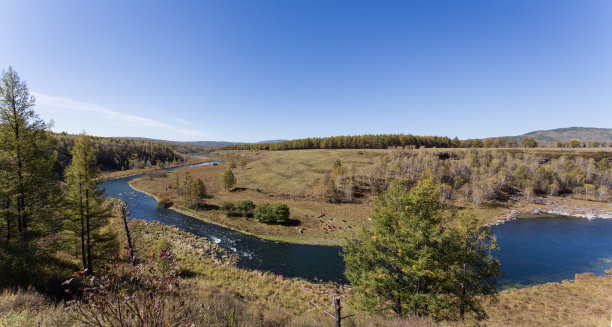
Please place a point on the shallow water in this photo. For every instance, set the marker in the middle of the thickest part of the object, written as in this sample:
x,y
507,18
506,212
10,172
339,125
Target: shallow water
x,y
533,250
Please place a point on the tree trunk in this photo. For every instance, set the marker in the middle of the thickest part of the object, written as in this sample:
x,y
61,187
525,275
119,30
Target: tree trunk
x,y
89,266
21,217
398,309
82,226
8,221
127,234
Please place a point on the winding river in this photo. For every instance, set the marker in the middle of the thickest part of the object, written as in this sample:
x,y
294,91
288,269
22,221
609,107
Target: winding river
x,y
533,250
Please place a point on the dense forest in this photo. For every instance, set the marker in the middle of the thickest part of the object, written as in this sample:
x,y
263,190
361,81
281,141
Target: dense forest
x,y
384,141
120,154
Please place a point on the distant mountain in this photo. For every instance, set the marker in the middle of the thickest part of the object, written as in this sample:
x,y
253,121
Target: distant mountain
x,y
567,134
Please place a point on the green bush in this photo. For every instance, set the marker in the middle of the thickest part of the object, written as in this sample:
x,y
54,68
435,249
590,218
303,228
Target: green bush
x,y
164,202
228,207
275,213
245,208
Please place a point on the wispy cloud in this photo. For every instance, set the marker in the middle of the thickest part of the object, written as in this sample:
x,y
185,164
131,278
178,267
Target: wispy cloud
x,y
182,121
66,103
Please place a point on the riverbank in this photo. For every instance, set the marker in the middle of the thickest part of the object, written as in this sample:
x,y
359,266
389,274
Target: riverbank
x,y
193,214
558,206
106,176
221,287
583,301
321,222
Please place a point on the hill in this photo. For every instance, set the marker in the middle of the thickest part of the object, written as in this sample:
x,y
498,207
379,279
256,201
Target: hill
x,y
567,134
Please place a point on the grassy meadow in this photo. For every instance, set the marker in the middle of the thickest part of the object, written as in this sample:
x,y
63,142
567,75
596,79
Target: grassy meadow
x,y
292,177
298,179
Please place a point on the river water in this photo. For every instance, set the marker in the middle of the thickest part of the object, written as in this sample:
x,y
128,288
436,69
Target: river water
x,y
534,250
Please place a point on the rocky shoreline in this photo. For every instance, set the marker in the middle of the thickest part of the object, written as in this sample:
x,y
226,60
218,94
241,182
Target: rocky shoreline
x,y
556,206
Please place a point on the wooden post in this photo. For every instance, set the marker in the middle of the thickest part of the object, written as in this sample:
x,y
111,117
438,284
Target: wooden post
x,y
124,215
337,316
338,310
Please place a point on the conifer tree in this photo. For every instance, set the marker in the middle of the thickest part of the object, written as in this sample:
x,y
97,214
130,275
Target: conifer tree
x,y
413,261
228,180
27,179
90,210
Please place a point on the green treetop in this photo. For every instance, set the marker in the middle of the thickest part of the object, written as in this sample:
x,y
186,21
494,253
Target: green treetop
x,y
410,260
90,211
228,180
27,178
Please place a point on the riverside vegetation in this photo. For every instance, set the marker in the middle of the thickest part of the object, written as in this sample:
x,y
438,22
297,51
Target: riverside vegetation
x,y
330,192
419,262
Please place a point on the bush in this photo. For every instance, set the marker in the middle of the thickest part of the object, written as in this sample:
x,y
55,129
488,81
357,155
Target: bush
x,y
148,294
164,202
275,213
229,208
245,208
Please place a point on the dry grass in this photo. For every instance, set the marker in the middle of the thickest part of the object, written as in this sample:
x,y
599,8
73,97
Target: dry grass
x,y
30,308
586,301
297,178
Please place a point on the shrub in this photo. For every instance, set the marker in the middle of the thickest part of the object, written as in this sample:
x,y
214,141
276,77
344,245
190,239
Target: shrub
x,y
148,294
164,202
245,208
228,207
275,213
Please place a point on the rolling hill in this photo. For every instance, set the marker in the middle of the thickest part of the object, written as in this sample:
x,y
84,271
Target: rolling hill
x,y
567,134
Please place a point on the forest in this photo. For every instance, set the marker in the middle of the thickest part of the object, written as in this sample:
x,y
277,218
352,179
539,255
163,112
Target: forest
x,y
409,141
120,153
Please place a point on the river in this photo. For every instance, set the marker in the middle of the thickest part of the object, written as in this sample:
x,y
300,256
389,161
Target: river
x,y
534,250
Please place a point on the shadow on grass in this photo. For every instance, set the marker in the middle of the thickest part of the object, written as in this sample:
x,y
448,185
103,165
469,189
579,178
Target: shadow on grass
x,y
206,206
292,222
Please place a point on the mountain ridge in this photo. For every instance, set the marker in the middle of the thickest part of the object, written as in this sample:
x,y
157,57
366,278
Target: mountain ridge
x,y
566,134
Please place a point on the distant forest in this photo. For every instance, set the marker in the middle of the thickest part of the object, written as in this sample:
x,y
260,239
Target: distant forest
x,y
385,141
122,154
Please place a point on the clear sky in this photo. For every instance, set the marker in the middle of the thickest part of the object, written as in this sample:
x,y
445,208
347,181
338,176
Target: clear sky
x,y
259,70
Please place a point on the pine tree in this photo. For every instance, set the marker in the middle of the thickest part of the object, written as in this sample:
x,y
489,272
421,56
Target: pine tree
x,y
27,179
90,210
228,180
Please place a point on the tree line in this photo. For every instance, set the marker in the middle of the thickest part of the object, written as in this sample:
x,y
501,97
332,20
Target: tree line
x,y
385,141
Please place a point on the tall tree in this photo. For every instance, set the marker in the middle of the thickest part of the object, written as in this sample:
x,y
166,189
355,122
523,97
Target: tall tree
x,y
473,271
413,260
228,180
90,210
27,177
396,263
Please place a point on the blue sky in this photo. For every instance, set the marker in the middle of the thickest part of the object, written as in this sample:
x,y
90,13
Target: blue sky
x,y
259,70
